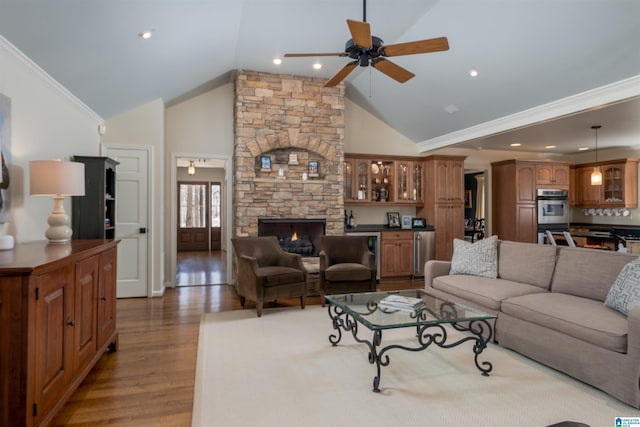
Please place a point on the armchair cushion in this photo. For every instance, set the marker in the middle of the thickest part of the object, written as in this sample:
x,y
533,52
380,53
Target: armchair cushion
x,y
276,275
347,271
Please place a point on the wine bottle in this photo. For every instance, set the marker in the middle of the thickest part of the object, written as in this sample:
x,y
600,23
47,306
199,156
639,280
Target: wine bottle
x,y
352,220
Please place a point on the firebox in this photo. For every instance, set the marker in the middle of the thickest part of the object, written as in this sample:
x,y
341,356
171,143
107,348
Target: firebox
x,y
298,236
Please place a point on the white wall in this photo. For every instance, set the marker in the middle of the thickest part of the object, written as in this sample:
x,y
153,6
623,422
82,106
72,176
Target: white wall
x,y
364,133
144,126
46,122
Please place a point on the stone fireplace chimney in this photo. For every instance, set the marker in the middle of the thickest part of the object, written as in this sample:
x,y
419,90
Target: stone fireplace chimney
x,y
292,120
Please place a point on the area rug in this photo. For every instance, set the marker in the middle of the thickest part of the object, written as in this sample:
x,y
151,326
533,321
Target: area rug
x,y
281,370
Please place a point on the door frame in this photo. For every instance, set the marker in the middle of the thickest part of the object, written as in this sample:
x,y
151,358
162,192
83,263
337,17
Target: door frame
x,y
226,225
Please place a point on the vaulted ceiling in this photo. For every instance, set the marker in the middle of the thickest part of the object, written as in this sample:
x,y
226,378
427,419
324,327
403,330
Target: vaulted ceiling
x,y
570,56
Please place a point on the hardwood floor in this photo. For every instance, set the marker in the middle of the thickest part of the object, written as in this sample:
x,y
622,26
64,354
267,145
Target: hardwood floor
x,y
149,380
201,268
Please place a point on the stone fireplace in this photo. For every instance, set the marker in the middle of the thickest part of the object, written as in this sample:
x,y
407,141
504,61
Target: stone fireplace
x,y
293,121
298,236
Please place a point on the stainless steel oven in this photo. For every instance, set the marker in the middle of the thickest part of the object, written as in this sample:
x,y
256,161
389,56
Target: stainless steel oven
x,y
553,206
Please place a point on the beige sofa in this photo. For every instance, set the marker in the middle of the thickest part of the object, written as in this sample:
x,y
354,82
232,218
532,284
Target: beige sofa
x,y
549,302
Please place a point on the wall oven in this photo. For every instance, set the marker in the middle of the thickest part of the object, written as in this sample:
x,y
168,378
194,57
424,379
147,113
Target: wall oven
x,y
553,207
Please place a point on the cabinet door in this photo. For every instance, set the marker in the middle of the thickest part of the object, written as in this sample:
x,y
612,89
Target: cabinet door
x,y
525,183
449,185
526,223
362,181
107,296
588,195
613,190
86,288
561,176
449,225
544,174
349,185
53,338
397,254
456,182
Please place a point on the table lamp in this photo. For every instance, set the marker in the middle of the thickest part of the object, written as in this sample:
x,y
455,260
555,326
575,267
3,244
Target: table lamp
x,y
57,179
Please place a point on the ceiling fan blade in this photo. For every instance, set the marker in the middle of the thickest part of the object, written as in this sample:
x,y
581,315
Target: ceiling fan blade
x,y
340,75
304,55
360,33
420,46
392,70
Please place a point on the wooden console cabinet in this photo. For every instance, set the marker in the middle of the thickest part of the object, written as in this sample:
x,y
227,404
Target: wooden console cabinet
x,y
57,317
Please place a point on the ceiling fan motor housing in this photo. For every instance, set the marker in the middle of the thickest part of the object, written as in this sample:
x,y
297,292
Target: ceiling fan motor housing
x,y
362,54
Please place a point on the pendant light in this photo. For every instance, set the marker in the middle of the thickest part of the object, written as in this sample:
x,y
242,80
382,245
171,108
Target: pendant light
x,y
596,175
191,170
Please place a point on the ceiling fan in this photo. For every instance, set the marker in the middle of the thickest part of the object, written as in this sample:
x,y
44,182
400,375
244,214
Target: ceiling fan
x,y
367,50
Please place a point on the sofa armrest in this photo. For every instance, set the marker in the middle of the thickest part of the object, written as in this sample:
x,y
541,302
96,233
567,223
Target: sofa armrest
x,y
433,269
633,343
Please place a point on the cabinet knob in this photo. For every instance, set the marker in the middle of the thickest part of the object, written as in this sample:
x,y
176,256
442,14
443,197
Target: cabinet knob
x,y
71,323
103,298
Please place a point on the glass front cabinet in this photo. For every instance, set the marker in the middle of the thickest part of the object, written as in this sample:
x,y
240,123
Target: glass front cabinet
x,y
375,180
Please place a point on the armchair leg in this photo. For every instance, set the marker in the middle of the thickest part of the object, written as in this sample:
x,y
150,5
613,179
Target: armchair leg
x,y
303,301
322,300
259,306
242,301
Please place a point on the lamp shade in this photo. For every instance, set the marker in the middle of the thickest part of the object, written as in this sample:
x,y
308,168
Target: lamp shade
x,y
56,178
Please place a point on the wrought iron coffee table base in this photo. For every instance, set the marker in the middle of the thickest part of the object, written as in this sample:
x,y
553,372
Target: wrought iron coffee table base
x,y
427,334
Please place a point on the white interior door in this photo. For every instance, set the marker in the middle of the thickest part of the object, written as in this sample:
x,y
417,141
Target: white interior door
x,y
132,210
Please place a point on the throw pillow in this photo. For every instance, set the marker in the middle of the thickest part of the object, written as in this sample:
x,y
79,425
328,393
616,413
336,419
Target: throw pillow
x,y
475,259
625,291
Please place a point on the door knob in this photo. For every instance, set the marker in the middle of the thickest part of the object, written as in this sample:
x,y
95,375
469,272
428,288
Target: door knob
x,y
143,230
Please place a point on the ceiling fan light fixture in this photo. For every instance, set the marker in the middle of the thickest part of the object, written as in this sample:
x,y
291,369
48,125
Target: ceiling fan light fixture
x,y
596,175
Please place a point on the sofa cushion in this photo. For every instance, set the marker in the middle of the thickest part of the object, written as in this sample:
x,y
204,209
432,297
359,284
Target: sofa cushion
x,y
625,291
526,263
587,273
346,272
581,318
278,275
476,259
483,291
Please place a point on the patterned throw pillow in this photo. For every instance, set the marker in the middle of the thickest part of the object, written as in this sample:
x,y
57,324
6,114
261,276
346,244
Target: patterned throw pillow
x,y
625,291
475,259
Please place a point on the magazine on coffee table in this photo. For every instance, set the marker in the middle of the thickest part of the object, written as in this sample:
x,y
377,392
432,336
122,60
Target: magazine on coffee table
x,y
401,302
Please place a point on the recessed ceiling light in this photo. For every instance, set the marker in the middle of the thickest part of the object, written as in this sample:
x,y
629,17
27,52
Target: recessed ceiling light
x,y
451,109
473,72
317,66
515,144
549,146
583,148
277,61
146,34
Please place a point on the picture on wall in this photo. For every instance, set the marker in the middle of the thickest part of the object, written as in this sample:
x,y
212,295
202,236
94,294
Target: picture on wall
x,y
5,153
313,168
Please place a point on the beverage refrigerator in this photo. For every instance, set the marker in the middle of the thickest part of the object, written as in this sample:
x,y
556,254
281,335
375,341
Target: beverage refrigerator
x,y
424,249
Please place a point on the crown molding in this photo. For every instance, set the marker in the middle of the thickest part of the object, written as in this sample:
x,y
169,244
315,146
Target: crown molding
x,y
601,96
7,46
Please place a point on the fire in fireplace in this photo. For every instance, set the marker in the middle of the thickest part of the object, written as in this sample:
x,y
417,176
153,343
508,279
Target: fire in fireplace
x,y
298,236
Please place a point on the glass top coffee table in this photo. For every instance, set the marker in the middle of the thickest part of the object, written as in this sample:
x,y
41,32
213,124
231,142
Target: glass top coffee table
x,y
428,316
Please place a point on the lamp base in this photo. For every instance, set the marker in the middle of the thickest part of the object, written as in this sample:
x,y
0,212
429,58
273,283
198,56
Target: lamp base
x,y
59,230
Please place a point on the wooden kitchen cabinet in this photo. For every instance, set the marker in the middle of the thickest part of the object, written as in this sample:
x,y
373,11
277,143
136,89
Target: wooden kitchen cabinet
x,y
552,175
444,201
57,312
619,187
396,257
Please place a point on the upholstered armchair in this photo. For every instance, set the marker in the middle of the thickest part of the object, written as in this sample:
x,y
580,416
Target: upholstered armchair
x,y
346,265
264,272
